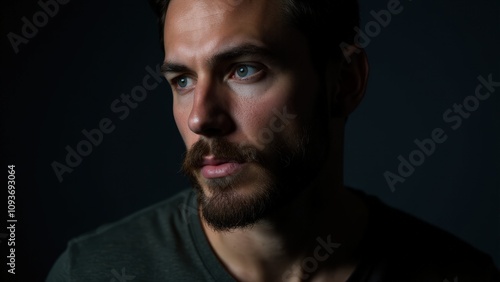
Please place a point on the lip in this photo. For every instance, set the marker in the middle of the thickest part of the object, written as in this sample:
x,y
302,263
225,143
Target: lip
x,y
217,168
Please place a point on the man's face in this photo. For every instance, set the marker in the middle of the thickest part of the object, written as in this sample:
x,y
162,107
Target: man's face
x,y
245,103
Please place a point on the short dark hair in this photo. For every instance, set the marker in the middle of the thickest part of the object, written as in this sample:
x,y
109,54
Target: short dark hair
x,y
318,20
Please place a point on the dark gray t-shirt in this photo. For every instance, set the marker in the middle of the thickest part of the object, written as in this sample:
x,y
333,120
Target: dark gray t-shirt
x,y
165,242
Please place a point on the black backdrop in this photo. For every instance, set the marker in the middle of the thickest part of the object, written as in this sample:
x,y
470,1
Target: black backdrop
x,y
65,77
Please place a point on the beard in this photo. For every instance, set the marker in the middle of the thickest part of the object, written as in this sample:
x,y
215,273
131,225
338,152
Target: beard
x,y
270,178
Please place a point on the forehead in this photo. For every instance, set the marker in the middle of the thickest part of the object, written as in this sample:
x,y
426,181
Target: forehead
x,y
202,27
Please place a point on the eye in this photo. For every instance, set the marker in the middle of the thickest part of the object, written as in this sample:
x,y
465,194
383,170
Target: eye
x,y
245,71
183,81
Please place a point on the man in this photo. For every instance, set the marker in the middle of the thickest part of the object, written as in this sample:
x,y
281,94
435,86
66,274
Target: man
x,y
261,101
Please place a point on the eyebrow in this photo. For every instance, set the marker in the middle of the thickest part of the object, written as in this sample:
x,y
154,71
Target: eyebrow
x,y
224,56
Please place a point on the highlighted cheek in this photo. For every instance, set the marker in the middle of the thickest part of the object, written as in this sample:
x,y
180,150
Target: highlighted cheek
x,y
248,90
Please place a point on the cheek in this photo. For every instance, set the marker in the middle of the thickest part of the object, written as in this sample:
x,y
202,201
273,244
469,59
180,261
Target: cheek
x,y
181,120
273,113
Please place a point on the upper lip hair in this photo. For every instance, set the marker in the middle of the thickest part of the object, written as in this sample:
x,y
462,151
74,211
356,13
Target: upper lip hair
x,y
213,161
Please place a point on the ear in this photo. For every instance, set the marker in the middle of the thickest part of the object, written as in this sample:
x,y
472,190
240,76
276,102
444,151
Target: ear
x,y
346,81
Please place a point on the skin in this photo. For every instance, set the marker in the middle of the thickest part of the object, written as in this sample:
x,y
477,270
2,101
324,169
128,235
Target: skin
x,y
212,99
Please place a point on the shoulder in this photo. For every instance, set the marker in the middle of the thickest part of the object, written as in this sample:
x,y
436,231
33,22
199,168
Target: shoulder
x,y
146,225
154,236
412,249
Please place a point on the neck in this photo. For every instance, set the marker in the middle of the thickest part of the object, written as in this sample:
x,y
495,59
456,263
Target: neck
x,y
325,222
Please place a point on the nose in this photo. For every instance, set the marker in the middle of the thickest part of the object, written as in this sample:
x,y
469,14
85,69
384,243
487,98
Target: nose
x,y
210,114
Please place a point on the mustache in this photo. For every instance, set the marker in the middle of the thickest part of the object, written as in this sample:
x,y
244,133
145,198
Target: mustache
x,y
220,149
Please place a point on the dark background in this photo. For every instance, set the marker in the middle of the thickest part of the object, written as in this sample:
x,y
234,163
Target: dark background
x,y
66,77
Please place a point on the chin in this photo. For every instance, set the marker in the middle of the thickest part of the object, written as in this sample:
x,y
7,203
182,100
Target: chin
x,y
239,200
